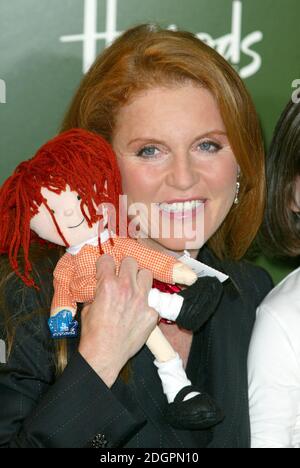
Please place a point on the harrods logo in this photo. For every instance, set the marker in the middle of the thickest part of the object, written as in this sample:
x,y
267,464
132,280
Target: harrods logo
x,y
2,92
296,93
232,45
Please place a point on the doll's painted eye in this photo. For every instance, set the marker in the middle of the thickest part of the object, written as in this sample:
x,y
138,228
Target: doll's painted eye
x,y
78,197
52,211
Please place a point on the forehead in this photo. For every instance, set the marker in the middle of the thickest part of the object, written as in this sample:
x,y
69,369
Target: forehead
x,y
165,110
54,197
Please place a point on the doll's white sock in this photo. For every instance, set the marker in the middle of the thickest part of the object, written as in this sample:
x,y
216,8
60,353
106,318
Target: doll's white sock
x,y
173,378
167,305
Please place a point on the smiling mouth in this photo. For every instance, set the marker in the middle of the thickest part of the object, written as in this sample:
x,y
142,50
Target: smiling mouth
x,y
73,227
181,207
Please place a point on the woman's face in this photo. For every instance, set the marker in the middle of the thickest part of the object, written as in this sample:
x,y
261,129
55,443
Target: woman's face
x,y
172,146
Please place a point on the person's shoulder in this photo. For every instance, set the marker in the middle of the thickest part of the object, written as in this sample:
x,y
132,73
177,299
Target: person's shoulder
x,y
17,299
248,280
250,275
283,301
288,288
24,315
252,281
278,317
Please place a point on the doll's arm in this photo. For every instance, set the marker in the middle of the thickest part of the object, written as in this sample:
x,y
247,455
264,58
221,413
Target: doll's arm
x,y
165,268
62,298
173,377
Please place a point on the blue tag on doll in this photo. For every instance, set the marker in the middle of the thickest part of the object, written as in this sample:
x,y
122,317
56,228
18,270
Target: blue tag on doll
x,y
62,325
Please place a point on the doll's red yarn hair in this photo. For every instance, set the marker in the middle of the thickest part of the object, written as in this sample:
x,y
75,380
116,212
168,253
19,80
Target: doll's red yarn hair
x,y
78,158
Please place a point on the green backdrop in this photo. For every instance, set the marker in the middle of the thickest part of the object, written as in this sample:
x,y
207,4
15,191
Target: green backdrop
x,y
46,45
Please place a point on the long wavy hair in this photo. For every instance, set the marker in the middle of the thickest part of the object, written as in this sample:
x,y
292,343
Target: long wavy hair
x,y
147,56
280,232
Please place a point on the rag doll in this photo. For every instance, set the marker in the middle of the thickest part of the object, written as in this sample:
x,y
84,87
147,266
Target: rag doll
x,y
63,195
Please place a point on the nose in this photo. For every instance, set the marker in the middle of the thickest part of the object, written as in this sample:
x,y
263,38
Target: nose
x,y
69,212
182,173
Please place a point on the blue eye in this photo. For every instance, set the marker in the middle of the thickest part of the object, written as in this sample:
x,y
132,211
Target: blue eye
x,y
209,146
147,152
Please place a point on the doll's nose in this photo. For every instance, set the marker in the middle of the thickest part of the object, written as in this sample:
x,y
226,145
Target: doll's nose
x,y
69,212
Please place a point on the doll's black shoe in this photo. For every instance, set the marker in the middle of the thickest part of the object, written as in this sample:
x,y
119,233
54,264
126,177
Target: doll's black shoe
x,y
199,412
200,302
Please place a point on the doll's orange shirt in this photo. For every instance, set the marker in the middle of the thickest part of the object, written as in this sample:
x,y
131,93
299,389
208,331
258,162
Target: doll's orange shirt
x,y
75,275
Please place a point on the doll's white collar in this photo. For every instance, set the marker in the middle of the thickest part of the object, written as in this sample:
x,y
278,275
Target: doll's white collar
x,y
104,236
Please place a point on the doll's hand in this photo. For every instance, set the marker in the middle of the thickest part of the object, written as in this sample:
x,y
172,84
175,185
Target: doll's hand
x,y
182,274
119,321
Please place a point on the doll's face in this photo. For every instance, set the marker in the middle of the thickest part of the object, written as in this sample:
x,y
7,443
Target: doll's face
x,y
68,214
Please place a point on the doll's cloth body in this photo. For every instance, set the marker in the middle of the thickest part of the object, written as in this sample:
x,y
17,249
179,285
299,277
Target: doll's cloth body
x,y
75,273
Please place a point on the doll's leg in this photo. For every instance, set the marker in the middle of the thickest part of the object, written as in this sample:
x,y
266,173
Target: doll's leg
x,y
188,407
169,364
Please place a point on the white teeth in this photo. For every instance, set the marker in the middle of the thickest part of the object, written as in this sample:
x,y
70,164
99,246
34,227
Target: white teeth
x,y
180,207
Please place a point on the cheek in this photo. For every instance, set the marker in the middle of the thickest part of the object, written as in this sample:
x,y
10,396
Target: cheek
x,y
139,183
222,180
45,229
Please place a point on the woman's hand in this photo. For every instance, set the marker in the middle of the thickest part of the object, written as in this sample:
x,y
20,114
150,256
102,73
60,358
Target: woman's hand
x,y
119,322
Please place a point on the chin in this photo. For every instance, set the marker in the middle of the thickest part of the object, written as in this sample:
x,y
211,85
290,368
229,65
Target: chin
x,y
181,244
82,236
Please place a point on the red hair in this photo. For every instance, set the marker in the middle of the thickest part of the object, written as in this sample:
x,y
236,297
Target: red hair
x,y
78,158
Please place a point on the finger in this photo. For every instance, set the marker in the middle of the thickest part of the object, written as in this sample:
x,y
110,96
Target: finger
x,y
105,266
85,310
128,270
145,280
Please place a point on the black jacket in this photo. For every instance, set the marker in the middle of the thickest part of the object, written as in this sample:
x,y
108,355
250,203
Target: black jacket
x,y
38,410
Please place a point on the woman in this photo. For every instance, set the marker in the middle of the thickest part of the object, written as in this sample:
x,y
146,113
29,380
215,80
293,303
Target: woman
x,y
183,128
274,356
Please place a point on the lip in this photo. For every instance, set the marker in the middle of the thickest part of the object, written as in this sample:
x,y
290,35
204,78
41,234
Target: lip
x,y
73,227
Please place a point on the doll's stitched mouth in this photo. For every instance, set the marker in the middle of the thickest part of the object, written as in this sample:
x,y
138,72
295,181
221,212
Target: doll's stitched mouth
x,y
73,227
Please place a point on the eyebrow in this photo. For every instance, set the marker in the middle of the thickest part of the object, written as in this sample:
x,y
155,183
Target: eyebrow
x,y
155,140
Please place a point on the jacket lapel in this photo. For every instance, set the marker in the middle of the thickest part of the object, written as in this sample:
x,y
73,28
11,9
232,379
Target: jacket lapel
x,y
153,402
227,334
147,388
